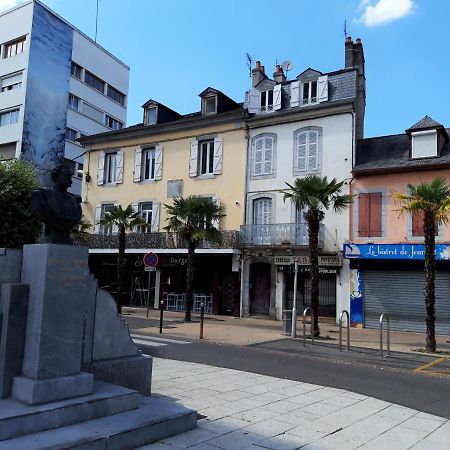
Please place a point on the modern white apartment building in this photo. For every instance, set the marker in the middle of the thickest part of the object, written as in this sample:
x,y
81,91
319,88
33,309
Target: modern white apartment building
x,y
56,85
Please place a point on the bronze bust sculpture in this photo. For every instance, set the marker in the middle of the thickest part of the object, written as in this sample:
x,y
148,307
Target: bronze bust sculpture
x,y
58,209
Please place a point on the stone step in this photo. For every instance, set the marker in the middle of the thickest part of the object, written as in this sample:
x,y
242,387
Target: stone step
x,y
155,419
18,419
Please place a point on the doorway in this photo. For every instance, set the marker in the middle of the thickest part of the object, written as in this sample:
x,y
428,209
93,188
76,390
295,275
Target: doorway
x,y
260,284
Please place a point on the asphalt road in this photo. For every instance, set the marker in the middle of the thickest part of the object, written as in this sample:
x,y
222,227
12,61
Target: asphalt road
x,y
362,371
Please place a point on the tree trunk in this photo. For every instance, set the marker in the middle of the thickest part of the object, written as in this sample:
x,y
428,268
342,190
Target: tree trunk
x,y
313,218
189,281
429,229
120,267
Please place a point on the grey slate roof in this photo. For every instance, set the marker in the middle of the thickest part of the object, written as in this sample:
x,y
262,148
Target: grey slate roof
x,y
425,122
391,153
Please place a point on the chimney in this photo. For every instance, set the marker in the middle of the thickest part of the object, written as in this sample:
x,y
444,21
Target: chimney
x,y
348,52
258,74
354,55
278,75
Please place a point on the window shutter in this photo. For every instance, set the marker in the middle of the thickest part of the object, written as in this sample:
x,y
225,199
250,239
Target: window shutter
x,y
277,97
268,155
363,215
262,211
313,150
97,218
101,169
375,215
258,156
322,88
135,207
254,101
216,223
295,94
193,159
218,156
119,167
301,151
158,161
137,165
155,216
417,224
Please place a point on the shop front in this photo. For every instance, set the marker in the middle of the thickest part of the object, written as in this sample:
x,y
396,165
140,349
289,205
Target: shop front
x,y
390,278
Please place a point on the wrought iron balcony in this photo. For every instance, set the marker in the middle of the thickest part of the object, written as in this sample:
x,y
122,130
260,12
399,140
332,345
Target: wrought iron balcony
x,y
230,239
278,234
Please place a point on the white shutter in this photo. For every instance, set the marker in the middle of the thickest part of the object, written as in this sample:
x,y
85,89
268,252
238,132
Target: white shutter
x,y
262,211
322,88
115,228
268,155
301,152
158,162
97,218
119,166
137,165
258,156
155,216
101,169
277,97
313,150
295,94
218,156
216,223
193,159
254,101
135,207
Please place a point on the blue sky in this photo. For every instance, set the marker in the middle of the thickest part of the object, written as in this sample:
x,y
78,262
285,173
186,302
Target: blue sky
x,y
177,48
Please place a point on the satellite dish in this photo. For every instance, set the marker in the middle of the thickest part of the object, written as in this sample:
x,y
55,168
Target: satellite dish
x,y
287,65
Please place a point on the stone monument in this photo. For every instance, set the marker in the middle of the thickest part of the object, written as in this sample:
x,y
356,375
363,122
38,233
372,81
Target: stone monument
x,y
70,375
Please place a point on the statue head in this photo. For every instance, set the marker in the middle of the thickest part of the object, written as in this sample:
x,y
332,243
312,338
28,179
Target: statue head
x,y
61,176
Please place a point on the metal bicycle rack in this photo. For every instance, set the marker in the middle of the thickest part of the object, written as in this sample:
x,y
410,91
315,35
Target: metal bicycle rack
x,y
388,339
348,329
305,312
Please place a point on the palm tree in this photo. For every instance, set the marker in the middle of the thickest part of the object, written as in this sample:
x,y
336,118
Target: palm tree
x,y
125,220
192,219
312,194
433,201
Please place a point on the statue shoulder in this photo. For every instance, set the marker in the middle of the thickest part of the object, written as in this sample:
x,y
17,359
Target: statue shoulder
x,y
76,197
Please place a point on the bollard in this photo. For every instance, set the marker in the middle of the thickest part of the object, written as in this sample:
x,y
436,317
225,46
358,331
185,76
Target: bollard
x,y
202,318
340,329
161,313
388,331
308,308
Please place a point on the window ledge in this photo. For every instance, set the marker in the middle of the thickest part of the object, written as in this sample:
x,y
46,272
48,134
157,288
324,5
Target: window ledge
x,y
208,176
109,185
147,181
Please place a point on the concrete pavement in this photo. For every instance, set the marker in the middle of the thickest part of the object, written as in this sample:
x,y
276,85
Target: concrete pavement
x,y
249,411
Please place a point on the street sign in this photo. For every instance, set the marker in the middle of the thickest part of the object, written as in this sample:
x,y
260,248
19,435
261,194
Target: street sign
x,y
150,259
149,269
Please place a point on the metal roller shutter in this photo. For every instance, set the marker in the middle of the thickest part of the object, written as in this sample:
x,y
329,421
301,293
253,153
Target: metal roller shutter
x,y
401,295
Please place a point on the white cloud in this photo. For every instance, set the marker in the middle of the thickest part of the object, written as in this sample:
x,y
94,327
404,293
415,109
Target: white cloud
x,y
6,4
384,11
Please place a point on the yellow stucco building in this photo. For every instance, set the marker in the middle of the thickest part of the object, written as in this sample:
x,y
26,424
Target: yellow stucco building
x,y
147,165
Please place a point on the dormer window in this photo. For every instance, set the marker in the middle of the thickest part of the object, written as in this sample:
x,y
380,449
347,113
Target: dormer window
x,y
151,115
267,100
424,144
309,92
210,105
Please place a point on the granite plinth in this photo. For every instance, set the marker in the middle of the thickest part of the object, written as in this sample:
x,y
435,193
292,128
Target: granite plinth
x,y
17,419
13,314
35,392
10,265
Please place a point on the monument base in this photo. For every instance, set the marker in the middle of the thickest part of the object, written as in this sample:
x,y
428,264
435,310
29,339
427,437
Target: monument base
x,y
35,392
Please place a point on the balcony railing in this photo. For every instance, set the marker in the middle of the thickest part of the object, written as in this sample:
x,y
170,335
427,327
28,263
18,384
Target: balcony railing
x,y
279,234
230,239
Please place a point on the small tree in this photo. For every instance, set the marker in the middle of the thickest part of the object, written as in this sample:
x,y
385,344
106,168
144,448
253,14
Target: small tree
x,y
433,201
312,194
125,220
17,182
193,218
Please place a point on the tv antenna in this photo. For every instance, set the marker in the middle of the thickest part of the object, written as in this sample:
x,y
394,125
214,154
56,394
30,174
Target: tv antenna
x,y
249,63
287,66
345,29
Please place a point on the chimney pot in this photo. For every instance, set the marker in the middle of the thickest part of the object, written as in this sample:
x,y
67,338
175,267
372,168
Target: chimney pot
x,y
358,41
348,39
278,75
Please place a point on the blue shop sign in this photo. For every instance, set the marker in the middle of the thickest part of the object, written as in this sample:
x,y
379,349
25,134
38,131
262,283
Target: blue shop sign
x,y
393,251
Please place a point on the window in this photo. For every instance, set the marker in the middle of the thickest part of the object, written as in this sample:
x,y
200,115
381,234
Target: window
x,y
78,170
152,115
262,211
145,213
74,102
206,157
14,48
10,82
263,156
148,164
115,95
9,117
75,70
110,167
8,151
309,93
91,80
93,113
306,151
210,105
424,144
106,208
267,100
71,134
113,123
370,214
